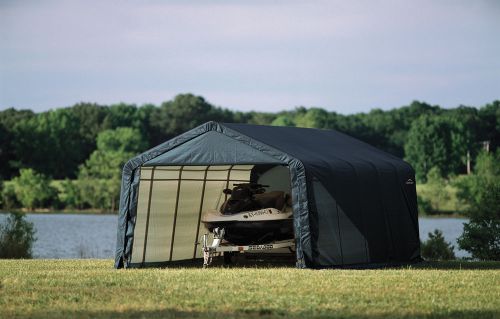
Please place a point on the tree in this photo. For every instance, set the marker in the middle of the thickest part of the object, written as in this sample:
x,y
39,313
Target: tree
x,y
424,205
5,142
385,130
481,239
183,113
408,114
8,155
481,193
90,118
260,118
70,194
9,199
49,143
489,125
143,123
100,176
436,248
436,188
313,118
120,115
57,142
283,120
33,189
436,141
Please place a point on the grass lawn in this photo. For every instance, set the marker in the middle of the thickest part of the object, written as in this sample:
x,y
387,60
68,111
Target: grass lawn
x,y
93,289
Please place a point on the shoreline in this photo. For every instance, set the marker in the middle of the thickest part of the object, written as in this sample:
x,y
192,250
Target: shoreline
x,y
438,216
99,212
60,212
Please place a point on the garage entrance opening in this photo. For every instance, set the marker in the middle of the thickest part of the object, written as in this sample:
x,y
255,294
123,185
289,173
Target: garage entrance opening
x,y
172,201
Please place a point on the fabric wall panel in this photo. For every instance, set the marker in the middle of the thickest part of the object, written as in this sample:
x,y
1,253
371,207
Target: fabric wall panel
x,y
161,220
327,241
187,219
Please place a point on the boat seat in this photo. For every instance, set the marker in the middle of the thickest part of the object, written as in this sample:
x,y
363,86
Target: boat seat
x,y
274,199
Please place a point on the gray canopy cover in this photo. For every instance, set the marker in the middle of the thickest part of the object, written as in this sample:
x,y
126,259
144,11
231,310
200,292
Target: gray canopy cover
x,y
352,203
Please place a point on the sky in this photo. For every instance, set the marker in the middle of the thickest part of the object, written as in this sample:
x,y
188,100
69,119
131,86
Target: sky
x,y
344,56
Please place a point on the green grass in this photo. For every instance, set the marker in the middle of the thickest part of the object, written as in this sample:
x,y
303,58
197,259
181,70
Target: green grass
x,y
93,289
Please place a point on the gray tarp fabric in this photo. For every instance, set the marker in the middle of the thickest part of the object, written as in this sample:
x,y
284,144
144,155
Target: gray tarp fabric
x,y
352,203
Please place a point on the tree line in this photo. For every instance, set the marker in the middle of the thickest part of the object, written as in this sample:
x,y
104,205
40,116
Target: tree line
x,y
83,147
57,142
71,158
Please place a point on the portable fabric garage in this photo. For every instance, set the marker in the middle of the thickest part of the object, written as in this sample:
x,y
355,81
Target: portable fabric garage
x,y
352,203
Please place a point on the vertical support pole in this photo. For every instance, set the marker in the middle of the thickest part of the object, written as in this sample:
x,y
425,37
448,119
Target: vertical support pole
x,y
200,210
175,212
147,215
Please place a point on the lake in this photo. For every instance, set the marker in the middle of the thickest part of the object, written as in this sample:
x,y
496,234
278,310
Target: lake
x,y
94,236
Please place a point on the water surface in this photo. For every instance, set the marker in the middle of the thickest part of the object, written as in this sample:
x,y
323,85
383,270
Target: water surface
x,y
94,236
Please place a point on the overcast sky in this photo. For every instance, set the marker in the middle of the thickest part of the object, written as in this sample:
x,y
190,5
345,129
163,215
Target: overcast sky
x,y
345,56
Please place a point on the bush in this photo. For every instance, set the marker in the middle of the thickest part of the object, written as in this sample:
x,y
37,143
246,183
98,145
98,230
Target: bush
x,y
424,205
436,186
436,248
33,189
70,194
16,237
100,193
9,199
481,239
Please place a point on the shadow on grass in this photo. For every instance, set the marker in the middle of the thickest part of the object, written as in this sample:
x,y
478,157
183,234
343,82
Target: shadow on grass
x,y
288,261
250,313
445,265
458,265
241,261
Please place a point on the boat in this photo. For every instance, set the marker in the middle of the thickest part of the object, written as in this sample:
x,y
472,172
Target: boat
x,y
252,216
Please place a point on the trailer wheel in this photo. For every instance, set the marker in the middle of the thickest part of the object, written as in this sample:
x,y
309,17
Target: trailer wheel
x,y
228,257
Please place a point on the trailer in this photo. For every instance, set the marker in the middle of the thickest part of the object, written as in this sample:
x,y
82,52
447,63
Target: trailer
x,y
220,246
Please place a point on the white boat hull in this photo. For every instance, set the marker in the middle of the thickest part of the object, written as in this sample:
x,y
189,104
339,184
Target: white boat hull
x,y
252,227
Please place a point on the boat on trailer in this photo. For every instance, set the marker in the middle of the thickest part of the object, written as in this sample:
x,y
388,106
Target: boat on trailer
x,y
251,219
